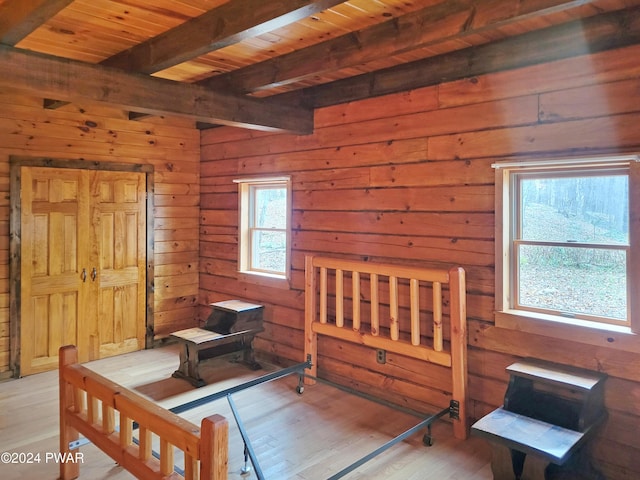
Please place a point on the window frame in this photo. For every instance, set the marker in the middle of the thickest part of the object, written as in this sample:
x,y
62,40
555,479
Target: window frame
x,y
582,328
247,189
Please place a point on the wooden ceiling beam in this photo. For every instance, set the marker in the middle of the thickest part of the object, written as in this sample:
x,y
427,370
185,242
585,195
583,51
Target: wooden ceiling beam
x,y
445,21
581,37
226,25
70,80
18,18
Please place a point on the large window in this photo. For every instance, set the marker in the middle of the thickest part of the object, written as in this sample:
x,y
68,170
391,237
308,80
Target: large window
x,y
564,241
265,205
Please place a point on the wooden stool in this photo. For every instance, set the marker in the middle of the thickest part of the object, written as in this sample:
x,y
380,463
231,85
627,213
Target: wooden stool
x,y
231,321
549,413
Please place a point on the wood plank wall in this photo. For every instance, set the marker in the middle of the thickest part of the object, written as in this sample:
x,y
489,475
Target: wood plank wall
x,y
407,178
106,135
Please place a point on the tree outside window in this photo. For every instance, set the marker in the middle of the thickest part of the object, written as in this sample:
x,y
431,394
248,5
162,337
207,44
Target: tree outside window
x,y
563,240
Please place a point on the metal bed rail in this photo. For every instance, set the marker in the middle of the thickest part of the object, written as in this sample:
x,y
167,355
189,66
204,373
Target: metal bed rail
x,y
406,434
453,410
249,452
297,368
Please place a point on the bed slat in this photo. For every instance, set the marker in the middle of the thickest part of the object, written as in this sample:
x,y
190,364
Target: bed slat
x,y
437,316
166,457
108,418
339,298
394,321
92,408
323,295
355,288
144,452
126,430
190,468
375,305
414,288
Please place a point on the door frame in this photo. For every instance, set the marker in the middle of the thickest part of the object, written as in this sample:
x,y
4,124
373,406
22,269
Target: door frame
x,y
15,238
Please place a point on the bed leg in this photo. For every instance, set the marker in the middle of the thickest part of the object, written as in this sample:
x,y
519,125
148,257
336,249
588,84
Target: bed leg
x,y
68,355
427,439
214,448
246,468
310,314
302,379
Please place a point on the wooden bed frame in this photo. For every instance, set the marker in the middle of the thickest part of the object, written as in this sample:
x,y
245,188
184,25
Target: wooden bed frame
x,y
389,336
105,412
88,405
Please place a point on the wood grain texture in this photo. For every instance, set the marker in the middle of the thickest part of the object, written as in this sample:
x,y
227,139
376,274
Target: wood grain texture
x,y
409,201
339,427
594,34
78,81
18,18
104,135
439,23
233,22
287,45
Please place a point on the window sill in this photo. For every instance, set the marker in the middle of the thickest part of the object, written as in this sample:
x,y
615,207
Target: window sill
x,y
265,279
580,331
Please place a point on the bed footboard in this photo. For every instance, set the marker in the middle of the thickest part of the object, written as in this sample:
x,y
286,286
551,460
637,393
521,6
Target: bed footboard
x,y
105,412
380,326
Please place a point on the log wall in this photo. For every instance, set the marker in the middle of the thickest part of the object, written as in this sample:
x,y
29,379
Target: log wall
x,y
407,178
106,135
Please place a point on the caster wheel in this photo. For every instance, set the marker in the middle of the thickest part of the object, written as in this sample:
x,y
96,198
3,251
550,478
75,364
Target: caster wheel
x,y
427,441
300,389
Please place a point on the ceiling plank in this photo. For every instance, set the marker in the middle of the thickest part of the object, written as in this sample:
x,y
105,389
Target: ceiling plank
x,y
226,25
595,34
436,24
71,80
18,18
223,26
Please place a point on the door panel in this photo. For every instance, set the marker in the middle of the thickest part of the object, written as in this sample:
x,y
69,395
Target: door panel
x,y
53,217
119,208
75,221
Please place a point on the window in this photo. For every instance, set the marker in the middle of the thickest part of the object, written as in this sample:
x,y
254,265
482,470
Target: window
x,y
265,205
564,242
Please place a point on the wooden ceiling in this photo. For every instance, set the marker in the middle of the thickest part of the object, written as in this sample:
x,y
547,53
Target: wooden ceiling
x,y
267,63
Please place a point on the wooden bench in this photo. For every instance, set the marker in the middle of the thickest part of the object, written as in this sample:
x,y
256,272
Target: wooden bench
x,y
230,322
549,412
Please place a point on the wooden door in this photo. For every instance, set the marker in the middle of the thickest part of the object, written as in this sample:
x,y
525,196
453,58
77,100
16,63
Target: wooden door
x,y
54,216
72,222
118,271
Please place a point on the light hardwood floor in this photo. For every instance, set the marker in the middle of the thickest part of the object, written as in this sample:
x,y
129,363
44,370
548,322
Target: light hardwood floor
x,y
307,437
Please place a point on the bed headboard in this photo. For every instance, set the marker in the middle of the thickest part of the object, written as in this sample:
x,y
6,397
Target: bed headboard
x,y
330,284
